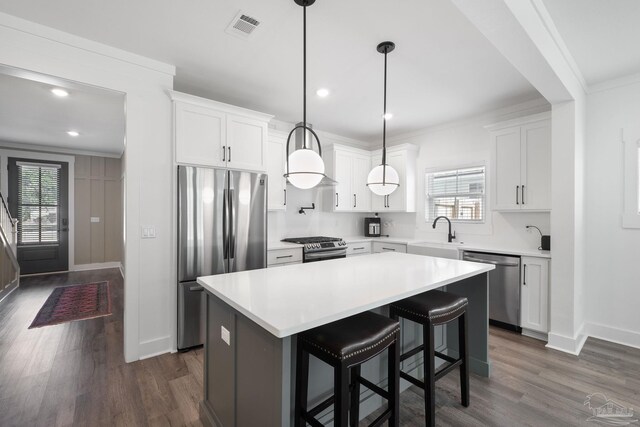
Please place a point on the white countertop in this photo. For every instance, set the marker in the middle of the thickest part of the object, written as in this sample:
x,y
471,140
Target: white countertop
x,y
483,248
275,245
291,299
400,240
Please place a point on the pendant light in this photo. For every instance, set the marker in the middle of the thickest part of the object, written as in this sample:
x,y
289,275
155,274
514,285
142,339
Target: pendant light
x,y
305,168
383,179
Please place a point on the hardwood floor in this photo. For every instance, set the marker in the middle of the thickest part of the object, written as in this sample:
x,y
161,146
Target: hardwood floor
x,y
74,374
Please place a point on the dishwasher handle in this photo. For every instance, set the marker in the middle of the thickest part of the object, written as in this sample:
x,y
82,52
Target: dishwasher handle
x,y
486,261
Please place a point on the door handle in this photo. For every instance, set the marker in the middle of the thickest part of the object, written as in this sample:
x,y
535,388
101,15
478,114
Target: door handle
x,y
232,236
285,197
524,278
517,194
197,288
523,194
229,148
337,200
354,201
224,153
225,228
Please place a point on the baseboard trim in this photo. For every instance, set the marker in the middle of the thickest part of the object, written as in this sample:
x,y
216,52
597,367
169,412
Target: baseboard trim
x,y
96,266
7,291
155,347
535,334
611,334
567,344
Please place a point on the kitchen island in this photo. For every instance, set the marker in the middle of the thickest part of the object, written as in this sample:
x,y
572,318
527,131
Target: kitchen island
x,y
254,316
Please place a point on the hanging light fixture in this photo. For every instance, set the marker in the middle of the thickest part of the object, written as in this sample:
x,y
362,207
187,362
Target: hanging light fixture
x,y
305,168
383,179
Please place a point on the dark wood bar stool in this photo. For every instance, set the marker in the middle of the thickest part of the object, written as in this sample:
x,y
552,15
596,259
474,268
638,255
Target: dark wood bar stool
x,y
346,345
431,309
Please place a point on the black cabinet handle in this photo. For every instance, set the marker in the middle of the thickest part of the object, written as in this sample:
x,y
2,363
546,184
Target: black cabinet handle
x,y
285,197
224,153
524,279
229,154
523,194
517,194
336,200
354,201
284,256
388,249
358,249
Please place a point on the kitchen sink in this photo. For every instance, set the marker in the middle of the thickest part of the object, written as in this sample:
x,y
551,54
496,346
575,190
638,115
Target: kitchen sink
x,y
435,249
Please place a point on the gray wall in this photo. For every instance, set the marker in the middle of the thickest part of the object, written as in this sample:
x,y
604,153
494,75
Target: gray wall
x,y
98,194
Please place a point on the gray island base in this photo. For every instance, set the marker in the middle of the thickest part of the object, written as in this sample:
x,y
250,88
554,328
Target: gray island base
x,y
250,381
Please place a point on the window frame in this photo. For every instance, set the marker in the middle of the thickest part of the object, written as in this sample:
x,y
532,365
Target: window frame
x,y
631,210
457,168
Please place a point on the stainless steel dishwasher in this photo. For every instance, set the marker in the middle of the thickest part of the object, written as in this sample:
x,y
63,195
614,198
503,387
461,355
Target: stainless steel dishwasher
x,y
504,288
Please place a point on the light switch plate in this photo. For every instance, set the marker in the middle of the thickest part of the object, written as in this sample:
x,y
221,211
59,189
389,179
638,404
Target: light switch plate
x,y
95,219
225,335
148,232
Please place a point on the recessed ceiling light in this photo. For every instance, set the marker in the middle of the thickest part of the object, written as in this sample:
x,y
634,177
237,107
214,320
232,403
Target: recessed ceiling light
x,y
73,133
388,116
60,92
322,93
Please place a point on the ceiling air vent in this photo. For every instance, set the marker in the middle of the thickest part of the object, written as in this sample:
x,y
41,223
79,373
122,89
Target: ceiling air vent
x,y
242,26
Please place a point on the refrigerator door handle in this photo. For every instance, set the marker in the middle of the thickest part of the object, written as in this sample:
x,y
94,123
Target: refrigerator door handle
x,y
232,226
225,226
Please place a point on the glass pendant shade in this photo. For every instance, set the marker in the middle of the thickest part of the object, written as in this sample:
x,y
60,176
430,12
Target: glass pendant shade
x,y
391,180
306,168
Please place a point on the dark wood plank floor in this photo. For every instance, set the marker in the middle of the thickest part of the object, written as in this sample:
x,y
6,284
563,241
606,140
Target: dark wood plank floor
x,y
74,374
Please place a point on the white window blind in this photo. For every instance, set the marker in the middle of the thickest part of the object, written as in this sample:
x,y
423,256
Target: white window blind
x,y
38,203
458,194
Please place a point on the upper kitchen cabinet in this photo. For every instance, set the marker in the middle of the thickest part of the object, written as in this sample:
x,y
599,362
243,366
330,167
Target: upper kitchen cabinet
x,y
521,157
403,159
210,133
350,168
276,168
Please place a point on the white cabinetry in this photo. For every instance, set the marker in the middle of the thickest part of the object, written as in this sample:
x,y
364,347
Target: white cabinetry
x,y
210,133
276,167
403,159
278,257
534,295
358,248
350,168
379,247
521,157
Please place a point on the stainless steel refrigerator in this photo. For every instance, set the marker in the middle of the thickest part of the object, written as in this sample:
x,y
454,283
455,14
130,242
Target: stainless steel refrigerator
x,y
222,228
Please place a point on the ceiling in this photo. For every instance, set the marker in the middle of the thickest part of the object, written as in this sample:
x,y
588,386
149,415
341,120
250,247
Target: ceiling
x,y
31,114
602,35
442,69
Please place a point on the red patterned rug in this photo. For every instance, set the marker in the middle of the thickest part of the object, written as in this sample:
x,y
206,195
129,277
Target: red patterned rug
x,y
76,302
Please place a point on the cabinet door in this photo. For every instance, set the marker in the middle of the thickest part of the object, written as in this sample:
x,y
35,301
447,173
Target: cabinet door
x,y
536,166
534,297
200,135
378,203
506,177
277,194
246,143
343,194
397,201
360,167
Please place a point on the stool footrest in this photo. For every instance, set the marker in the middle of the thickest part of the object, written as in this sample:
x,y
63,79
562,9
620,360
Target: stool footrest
x,y
411,379
371,386
381,419
446,357
310,420
321,406
410,353
441,373
444,371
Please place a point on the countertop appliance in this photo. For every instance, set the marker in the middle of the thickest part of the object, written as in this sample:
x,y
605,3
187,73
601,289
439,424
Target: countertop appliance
x,y
222,228
320,248
372,226
504,288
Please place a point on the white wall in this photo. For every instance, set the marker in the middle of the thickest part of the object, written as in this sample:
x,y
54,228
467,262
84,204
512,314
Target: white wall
x,y
467,143
149,285
613,252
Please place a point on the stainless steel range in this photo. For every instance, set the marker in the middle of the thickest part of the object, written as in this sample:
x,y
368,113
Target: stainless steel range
x,y
320,248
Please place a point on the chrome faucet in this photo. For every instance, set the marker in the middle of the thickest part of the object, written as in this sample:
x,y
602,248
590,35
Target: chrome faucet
x,y
450,236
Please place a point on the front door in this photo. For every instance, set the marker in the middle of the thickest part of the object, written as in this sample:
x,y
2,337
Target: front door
x,y
38,198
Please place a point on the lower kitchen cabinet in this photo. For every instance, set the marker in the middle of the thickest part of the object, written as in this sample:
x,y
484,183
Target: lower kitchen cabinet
x,y
379,247
360,248
288,256
534,302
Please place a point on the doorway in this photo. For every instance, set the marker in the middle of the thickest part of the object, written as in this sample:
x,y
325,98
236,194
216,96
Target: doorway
x,y
39,199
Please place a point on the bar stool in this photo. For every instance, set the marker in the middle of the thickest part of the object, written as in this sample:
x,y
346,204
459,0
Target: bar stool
x,y
346,345
431,309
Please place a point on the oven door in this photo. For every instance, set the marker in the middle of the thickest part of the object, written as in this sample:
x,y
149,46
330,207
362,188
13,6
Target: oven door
x,y
325,255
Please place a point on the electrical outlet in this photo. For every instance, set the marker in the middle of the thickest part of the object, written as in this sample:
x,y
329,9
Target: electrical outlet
x,y
95,219
225,335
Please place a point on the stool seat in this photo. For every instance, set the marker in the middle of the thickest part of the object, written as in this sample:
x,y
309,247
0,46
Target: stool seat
x,y
436,306
354,339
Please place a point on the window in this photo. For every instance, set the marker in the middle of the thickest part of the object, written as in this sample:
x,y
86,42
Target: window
x,y
458,194
38,203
